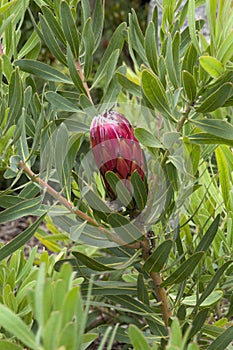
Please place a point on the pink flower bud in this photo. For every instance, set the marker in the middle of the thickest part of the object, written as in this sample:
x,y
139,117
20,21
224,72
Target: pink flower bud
x,y
115,148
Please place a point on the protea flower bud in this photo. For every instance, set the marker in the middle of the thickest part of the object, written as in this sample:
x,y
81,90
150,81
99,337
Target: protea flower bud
x,y
116,149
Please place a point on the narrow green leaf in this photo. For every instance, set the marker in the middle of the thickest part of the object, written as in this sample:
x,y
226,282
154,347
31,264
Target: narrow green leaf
x,y
121,191
138,340
146,138
42,70
74,72
224,175
14,325
156,94
107,71
192,25
170,65
70,29
212,66
89,43
216,99
51,41
189,85
20,240
225,50
151,47
208,237
185,270
217,127
26,207
52,330
8,345
123,228
198,322
98,21
142,293
60,103
223,340
15,98
91,263
214,281
139,190
158,258
205,138
54,24
129,85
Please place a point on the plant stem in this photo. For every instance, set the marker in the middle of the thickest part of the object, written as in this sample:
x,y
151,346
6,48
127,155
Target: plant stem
x,y
70,207
156,279
80,71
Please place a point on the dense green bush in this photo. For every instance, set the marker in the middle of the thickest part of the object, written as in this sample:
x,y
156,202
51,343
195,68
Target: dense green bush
x,y
159,279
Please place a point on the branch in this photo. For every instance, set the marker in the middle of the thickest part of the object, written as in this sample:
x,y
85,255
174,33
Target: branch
x,y
70,207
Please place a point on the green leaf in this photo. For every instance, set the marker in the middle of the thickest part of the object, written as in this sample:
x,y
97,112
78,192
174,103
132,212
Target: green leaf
x,y
60,103
212,66
29,45
8,345
208,237
185,270
121,191
54,24
25,207
192,25
158,258
98,21
20,240
74,72
219,128
107,71
91,263
142,293
138,340
42,70
69,29
210,300
116,43
52,330
14,325
129,85
224,176
51,41
15,98
198,322
123,228
170,64
223,340
225,50
189,85
89,43
216,99
151,47
214,281
139,190
205,138
156,94
146,138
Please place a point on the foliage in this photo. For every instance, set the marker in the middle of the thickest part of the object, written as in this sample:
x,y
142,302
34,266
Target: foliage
x,y
179,249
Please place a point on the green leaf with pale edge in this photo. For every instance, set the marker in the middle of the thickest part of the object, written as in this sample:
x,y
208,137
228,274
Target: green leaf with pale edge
x,y
192,25
124,228
189,85
14,325
214,281
20,240
185,270
224,176
91,263
142,293
121,191
212,66
60,103
26,207
139,190
208,237
129,85
146,138
198,322
8,345
158,258
74,73
212,299
216,127
223,340
205,138
138,340
69,28
51,41
54,24
42,70
216,99
151,47
155,93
